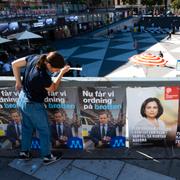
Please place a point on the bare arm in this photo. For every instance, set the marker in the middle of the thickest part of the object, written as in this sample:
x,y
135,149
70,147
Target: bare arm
x,y
16,66
54,86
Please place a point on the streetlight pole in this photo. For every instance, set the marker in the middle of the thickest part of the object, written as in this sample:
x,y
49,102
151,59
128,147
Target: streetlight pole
x,y
107,21
165,7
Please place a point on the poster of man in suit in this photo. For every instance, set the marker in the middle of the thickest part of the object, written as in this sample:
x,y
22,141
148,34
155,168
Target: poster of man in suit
x,y
62,108
102,114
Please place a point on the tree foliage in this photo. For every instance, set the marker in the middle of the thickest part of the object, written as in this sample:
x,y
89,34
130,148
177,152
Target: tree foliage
x,y
176,4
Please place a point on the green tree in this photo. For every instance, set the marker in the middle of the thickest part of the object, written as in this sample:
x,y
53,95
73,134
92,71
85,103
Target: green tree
x,y
131,2
96,2
176,4
149,2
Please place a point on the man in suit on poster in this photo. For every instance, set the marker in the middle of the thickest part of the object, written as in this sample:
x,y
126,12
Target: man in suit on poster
x,y
61,130
102,133
14,129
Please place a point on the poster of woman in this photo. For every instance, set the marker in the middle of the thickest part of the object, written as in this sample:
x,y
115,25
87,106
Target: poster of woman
x,y
152,118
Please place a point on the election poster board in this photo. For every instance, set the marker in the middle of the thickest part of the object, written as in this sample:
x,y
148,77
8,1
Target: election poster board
x,y
152,116
9,116
62,107
102,114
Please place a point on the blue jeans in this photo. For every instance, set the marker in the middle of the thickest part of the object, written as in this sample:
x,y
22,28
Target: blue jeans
x,y
34,116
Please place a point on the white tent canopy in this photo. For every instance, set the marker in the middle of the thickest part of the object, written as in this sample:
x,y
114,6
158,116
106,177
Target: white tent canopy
x,y
3,40
27,35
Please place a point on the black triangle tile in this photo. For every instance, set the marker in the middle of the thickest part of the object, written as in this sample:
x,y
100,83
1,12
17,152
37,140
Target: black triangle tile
x,y
108,66
82,50
116,43
115,52
142,45
69,43
81,61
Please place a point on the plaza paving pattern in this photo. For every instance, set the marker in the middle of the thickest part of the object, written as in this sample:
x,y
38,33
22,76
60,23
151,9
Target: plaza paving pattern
x,y
100,56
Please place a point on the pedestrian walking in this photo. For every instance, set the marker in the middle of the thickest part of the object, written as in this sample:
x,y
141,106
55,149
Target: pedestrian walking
x,y
161,54
169,36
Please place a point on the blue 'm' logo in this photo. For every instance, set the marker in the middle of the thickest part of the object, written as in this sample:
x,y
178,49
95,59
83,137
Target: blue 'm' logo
x,y
75,143
35,143
118,142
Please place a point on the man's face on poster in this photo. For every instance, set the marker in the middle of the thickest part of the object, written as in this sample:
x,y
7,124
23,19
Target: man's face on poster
x,y
59,117
16,117
103,118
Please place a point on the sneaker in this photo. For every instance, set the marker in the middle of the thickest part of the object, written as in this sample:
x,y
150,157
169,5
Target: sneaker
x,y
25,155
51,159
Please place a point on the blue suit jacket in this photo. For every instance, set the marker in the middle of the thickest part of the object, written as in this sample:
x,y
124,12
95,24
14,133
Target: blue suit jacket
x,y
95,133
66,132
11,133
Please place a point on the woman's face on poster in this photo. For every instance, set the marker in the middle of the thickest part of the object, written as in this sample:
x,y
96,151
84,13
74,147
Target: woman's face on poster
x,y
151,109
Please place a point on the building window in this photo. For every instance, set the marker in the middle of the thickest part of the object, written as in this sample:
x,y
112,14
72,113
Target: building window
x,y
118,2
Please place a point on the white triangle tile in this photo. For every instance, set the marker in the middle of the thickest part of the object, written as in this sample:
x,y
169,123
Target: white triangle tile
x,y
157,47
91,69
123,57
102,44
124,46
130,71
175,50
67,52
99,54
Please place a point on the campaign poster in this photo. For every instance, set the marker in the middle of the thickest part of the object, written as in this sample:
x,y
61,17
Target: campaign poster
x,y
152,114
10,119
102,115
65,125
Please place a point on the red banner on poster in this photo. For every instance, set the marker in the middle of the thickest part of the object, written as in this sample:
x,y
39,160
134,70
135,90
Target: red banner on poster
x,y
171,93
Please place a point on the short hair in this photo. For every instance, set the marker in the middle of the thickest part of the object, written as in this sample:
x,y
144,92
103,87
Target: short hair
x,y
14,111
102,112
59,111
151,99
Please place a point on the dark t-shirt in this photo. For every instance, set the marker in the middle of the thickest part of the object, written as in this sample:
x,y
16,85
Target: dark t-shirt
x,y
35,80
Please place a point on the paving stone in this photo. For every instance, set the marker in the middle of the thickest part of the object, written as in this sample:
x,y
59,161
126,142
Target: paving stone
x,y
101,178
105,168
159,166
51,172
73,173
144,152
175,168
28,167
131,172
